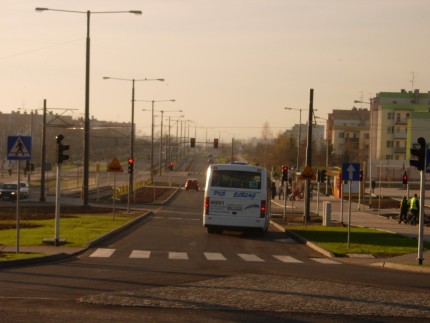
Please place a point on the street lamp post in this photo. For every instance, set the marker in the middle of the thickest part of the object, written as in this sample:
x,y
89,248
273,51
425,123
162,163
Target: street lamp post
x,y
178,139
87,90
370,148
300,131
161,137
152,133
132,130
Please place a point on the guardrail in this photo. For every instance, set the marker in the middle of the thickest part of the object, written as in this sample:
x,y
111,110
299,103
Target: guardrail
x,y
123,189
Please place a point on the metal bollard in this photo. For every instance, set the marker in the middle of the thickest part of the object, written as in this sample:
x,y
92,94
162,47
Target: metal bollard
x,y
326,214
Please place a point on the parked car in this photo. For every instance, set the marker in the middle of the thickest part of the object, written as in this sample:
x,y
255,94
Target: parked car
x,y
25,190
8,191
192,184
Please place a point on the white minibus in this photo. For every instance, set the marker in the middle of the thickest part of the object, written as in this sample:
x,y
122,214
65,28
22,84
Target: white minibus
x,y
237,197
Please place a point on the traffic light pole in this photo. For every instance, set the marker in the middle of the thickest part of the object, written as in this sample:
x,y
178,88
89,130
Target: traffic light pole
x,y
421,165
421,218
57,206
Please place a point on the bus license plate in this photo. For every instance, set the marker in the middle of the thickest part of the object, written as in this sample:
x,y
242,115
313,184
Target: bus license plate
x,y
234,207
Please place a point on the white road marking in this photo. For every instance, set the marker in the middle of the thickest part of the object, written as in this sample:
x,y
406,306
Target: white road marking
x,y
325,261
178,255
287,259
214,256
249,257
140,254
102,253
287,240
210,256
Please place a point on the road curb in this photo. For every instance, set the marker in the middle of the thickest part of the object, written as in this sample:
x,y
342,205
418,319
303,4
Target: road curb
x,y
64,255
383,264
94,242
35,260
300,239
392,265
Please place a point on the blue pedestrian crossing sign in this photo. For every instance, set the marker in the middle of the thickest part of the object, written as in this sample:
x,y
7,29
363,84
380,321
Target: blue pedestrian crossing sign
x,y
19,148
351,171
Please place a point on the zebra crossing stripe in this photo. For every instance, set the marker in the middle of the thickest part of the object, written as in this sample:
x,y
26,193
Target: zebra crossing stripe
x,y
287,259
249,257
214,256
102,253
178,255
140,254
325,261
210,256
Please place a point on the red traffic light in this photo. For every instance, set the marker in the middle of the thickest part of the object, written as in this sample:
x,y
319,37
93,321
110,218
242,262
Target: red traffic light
x,y
130,161
405,178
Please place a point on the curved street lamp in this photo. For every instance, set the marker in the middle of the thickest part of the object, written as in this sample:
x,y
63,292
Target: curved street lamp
x,y
152,133
87,90
161,136
133,131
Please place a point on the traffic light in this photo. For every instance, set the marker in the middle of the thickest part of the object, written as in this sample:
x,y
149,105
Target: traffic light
x,y
318,176
171,165
284,173
216,143
192,142
420,164
130,165
323,176
405,178
360,175
61,149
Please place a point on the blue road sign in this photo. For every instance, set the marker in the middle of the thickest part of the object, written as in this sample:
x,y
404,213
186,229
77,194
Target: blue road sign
x,y
18,147
351,171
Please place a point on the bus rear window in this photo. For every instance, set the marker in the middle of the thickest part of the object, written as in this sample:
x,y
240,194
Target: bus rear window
x,y
236,179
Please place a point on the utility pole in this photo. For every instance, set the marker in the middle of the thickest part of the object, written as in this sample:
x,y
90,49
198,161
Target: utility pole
x,y
309,158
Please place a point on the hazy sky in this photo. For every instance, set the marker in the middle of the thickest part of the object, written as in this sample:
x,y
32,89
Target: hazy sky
x,y
231,65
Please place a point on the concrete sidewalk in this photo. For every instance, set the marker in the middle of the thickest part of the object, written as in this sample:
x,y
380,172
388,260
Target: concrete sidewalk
x,y
383,219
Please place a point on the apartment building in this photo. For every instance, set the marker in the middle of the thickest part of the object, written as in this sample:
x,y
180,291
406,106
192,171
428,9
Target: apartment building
x,y
398,120
317,133
348,134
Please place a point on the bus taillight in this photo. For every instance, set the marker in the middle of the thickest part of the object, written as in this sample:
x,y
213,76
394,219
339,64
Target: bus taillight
x,y
263,209
207,205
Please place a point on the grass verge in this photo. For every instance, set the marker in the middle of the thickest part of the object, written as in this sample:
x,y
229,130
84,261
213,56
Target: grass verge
x,y
77,230
362,240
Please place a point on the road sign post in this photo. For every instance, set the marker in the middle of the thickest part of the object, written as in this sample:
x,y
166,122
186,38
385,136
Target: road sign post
x,y
350,173
18,148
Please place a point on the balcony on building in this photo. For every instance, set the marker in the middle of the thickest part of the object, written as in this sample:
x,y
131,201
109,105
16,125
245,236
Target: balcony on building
x,y
399,150
400,135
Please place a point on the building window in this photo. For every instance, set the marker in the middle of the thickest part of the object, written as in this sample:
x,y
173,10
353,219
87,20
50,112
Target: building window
x,y
366,136
390,130
389,144
397,144
388,157
341,135
390,115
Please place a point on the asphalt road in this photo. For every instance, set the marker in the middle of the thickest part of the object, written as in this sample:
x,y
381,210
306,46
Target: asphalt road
x,y
168,268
